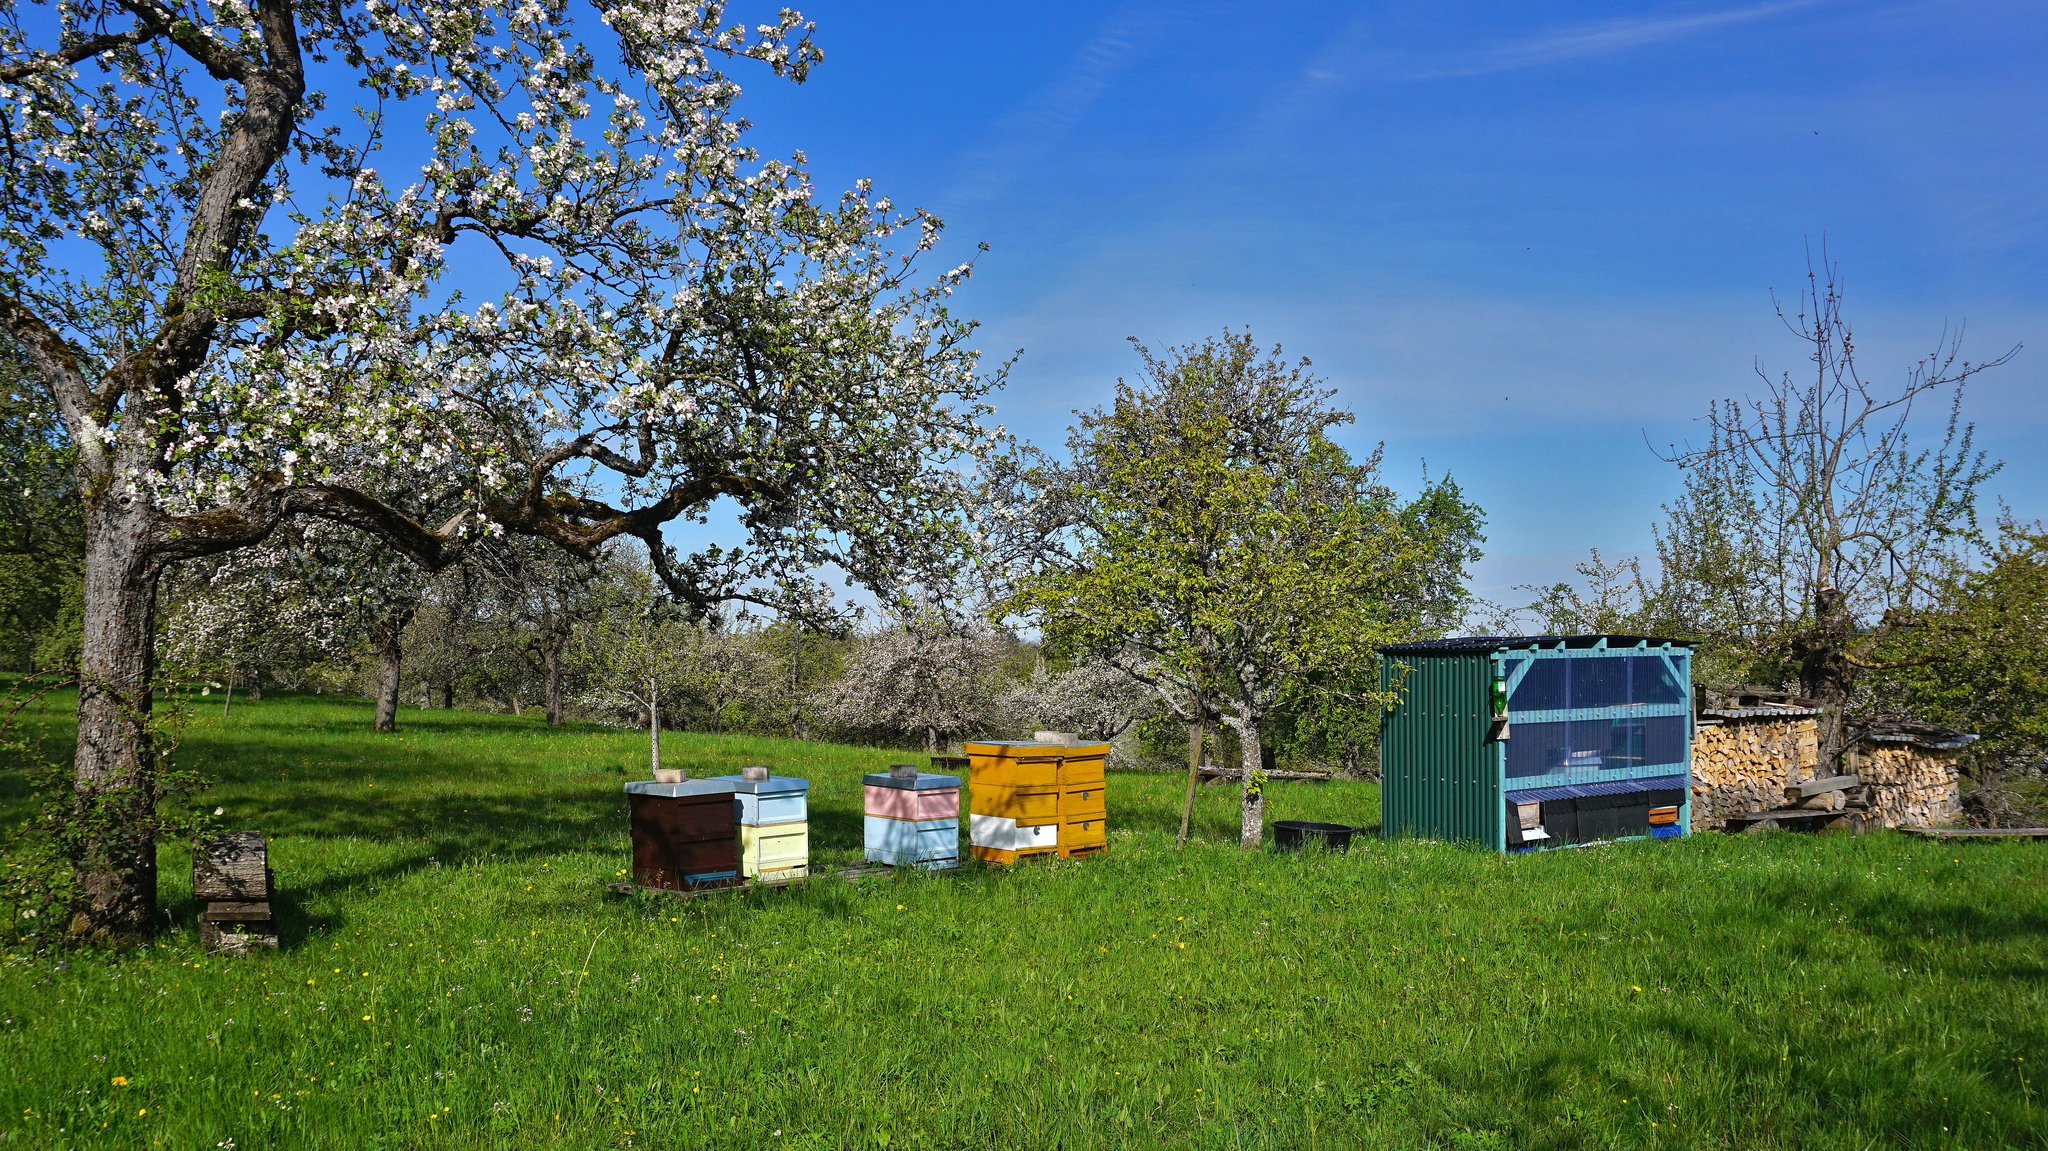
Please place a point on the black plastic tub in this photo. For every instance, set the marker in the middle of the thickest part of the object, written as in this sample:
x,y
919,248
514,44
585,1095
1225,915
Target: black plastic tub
x,y
1294,834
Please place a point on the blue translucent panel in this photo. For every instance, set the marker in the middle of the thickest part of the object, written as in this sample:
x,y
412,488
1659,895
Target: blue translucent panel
x,y
1594,745
1599,682
1654,682
1544,688
1664,739
1538,748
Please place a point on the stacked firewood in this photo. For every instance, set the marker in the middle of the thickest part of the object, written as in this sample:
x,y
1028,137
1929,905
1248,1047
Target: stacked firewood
x,y
1743,766
231,875
1910,786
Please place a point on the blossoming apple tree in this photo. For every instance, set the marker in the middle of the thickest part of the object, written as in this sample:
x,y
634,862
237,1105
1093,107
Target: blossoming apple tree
x,y
250,243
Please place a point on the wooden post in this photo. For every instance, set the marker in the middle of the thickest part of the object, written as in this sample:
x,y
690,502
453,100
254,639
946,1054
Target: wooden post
x,y
1197,732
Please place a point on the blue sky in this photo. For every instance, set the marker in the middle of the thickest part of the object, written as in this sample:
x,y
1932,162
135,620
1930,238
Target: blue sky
x,y
1521,240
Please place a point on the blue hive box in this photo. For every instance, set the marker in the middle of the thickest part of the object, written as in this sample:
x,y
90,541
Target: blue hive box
x,y
927,843
777,799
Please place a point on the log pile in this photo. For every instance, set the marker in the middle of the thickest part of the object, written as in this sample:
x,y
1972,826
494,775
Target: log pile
x,y
231,875
1740,766
1758,765
1910,785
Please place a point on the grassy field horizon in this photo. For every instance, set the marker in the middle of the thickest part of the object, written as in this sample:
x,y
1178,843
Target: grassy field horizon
x,y
453,975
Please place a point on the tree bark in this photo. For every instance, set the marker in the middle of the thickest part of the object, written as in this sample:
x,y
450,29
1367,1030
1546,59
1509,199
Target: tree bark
x,y
1252,829
447,695
387,635
1826,674
931,740
1196,734
114,780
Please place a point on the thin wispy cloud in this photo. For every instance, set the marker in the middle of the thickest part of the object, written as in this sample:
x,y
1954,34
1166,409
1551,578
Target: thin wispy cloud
x,y
1022,138
1607,38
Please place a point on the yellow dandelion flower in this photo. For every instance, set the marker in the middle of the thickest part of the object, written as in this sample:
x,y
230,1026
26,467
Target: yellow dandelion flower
x,y
120,1081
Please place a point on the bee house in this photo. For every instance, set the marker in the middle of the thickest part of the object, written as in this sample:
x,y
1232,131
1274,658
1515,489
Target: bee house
x,y
1528,742
912,818
685,836
1028,798
773,814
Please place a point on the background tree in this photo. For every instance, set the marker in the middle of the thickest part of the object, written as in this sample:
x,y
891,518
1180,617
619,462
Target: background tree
x,y
926,676
1207,537
634,655
1091,698
1979,663
1812,525
545,595
229,302
41,536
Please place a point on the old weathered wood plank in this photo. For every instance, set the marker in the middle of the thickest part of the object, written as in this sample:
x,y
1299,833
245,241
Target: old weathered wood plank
x,y
1978,832
1817,786
236,913
232,866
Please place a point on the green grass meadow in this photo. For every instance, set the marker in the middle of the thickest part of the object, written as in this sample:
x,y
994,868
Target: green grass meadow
x,y
453,975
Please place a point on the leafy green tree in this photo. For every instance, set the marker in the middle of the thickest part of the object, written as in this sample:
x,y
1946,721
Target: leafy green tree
x,y
1980,663
1813,525
1208,538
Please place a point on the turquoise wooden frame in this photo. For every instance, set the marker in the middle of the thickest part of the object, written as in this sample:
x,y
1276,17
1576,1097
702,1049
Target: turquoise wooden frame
x,y
1677,660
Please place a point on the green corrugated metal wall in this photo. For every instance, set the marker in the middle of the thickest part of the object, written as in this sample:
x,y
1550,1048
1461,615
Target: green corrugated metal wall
x,y
1439,777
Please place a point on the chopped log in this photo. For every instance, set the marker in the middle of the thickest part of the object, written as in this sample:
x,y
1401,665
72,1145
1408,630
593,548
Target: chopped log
x,y
232,866
1818,786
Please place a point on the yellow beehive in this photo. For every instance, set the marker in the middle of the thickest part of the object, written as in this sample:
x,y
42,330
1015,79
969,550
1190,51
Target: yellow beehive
x,y
1027,798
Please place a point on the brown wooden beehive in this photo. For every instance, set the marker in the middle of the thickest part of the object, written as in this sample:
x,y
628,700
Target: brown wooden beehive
x,y
685,835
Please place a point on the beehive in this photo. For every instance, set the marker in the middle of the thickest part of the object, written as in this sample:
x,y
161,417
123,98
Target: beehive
x,y
912,819
775,833
1027,798
685,835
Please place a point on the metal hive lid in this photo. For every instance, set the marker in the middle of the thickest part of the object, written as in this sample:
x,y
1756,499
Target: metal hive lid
x,y
922,781
678,790
773,785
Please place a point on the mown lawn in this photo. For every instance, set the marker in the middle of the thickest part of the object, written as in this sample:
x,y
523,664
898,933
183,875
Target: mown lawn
x,y
453,976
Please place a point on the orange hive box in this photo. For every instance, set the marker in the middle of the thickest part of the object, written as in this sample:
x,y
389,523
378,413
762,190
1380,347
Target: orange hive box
x,y
1027,799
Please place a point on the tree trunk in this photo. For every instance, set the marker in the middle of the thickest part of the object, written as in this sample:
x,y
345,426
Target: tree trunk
x,y
1825,673
1252,830
447,695
1196,733
114,774
551,678
931,740
227,698
387,635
